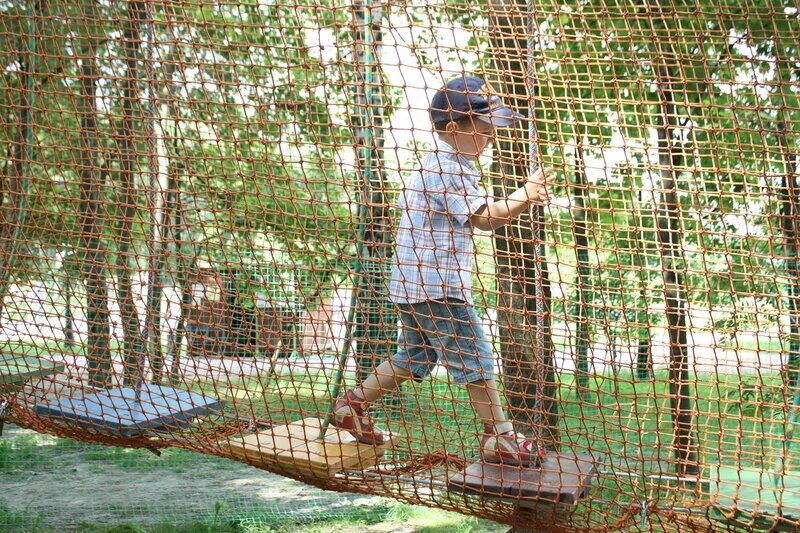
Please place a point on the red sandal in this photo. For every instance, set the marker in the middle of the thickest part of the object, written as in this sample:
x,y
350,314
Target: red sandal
x,y
351,415
509,448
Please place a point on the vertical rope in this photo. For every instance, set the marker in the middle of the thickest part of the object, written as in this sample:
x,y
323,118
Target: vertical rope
x,y
358,268
536,215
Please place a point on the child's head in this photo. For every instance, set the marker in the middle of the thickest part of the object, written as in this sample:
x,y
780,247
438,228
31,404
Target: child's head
x,y
465,113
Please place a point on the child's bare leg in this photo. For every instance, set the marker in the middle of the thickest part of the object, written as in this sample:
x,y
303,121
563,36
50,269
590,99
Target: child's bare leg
x,y
351,412
485,400
499,443
386,377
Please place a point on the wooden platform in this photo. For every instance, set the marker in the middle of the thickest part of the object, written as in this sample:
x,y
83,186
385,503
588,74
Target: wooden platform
x,y
17,370
563,478
117,410
296,447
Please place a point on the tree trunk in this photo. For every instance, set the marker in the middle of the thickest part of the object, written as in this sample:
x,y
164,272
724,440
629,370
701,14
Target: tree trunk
x,y
155,292
644,352
155,207
154,298
517,250
69,324
14,186
98,353
790,227
175,222
374,316
170,209
672,266
581,215
186,268
134,345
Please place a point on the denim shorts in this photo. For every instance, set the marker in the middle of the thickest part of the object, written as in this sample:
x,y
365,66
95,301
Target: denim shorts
x,y
444,331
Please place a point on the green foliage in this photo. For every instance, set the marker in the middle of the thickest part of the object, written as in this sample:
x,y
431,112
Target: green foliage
x,y
597,65
257,177
260,120
756,400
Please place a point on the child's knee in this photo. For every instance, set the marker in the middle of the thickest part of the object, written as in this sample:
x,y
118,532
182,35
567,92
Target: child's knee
x,y
480,381
405,374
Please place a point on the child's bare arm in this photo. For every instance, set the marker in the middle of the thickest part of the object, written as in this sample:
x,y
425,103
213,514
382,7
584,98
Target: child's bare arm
x,y
500,212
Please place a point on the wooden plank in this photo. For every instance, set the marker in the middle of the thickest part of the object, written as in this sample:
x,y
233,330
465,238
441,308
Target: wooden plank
x,y
562,478
339,451
117,411
17,369
263,448
259,449
296,446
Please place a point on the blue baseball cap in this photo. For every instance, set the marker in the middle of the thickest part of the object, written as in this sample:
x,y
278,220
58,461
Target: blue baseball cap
x,y
466,96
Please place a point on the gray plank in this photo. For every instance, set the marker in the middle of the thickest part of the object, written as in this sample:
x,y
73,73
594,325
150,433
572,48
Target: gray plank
x,y
117,411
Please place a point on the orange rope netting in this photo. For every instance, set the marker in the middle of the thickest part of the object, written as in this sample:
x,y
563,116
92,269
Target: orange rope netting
x,y
208,210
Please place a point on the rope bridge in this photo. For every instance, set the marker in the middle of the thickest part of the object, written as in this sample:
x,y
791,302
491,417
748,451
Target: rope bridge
x,y
198,205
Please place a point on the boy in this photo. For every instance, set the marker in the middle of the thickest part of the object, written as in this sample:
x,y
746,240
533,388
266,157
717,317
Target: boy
x,y
431,276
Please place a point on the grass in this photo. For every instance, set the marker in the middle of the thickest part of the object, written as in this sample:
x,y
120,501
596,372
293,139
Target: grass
x,y
757,344
15,522
27,454
736,417
174,459
419,519
24,453
738,421
22,450
354,519
427,520
33,348
189,527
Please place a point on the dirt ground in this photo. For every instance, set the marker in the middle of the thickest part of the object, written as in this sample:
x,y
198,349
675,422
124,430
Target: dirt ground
x,y
67,486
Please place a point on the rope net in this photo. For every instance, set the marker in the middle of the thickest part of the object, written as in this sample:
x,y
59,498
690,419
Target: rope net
x,y
202,204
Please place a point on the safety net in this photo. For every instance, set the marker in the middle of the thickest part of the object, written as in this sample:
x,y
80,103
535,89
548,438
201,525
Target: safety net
x,y
210,208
